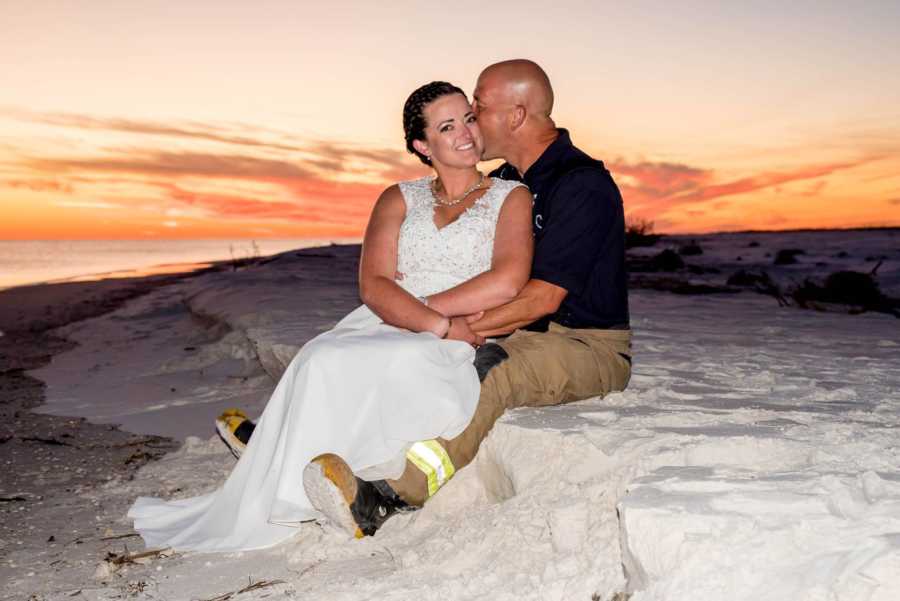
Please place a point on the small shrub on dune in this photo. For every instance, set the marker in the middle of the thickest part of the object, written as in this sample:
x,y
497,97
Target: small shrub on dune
x,y
788,256
745,278
667,260
699,269
853,287
639,232
690,249
859,291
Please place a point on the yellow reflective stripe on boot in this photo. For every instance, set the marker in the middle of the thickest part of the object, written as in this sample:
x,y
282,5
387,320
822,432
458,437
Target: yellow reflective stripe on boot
x,y
431,458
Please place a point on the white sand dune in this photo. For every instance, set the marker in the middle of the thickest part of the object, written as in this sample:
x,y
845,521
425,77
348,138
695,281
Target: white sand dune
x,y
754,456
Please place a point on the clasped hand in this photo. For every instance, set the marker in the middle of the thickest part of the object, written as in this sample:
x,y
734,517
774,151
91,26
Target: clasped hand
x,y
459,326
460,330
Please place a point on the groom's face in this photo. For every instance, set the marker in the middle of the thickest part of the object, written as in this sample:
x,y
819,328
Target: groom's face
x,y
492,110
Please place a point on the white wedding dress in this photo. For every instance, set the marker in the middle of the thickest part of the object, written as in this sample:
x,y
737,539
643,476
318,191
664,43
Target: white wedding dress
x,y
364,390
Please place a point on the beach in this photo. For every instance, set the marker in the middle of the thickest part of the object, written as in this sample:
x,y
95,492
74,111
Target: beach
x,y
753,455
49,461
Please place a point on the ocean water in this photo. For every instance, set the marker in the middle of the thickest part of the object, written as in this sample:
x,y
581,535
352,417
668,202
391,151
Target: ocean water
x,y
34,261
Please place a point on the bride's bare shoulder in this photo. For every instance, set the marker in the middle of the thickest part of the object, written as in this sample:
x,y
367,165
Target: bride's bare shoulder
x,y
390,201
392,191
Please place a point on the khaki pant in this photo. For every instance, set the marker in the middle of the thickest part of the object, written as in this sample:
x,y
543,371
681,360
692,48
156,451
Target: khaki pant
x,y
543,368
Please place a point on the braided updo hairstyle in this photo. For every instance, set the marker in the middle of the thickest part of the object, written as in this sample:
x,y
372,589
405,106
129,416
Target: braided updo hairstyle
x,y
414,112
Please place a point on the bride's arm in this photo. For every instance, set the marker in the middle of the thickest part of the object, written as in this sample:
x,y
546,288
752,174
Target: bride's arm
x,y
378,267
510,263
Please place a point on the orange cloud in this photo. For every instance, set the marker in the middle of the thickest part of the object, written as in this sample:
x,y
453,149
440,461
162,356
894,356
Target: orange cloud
x,y
194,130
261,176
316,198
37,185
761,181
652,188
344,178
176,164
347,208
320,154
661,180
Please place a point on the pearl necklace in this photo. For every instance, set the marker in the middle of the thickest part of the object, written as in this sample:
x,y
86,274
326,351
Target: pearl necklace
x,y
453,201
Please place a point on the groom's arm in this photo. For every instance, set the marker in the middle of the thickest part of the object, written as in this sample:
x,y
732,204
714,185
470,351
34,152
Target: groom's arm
x,y
578,235
537,299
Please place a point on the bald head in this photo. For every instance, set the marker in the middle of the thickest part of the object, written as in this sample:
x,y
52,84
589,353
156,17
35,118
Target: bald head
x,y
523,82
513,101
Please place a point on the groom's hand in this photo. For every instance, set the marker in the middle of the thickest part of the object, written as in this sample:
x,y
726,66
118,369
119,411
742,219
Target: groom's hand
x,y
460,330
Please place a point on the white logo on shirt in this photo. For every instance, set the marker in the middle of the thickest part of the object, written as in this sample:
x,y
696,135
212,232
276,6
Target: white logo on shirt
x,y
539,221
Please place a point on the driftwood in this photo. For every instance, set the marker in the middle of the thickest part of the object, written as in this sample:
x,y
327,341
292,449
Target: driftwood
x,y
253,586
126,558
19,496
114,561
118,536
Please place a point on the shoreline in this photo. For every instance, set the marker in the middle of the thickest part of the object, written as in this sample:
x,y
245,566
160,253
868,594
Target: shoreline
x,y
97,293
51,461
161,269
44,306
96,260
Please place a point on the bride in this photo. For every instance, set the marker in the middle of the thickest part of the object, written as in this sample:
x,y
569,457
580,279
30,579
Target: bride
x,y
396,370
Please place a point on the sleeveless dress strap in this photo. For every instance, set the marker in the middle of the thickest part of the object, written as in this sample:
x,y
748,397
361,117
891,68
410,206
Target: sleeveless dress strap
x,y
500,189
416,192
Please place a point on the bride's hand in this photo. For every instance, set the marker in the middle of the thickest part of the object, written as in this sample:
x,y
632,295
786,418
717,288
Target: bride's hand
x,y
459,330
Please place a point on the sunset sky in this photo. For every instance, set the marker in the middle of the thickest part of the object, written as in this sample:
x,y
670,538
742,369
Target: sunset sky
x,y
282,119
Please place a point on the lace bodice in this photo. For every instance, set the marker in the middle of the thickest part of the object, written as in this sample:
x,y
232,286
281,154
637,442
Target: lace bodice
x,y
433,259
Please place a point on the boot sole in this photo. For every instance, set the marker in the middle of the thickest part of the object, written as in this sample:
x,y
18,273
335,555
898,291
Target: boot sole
x,y
331,488
231,441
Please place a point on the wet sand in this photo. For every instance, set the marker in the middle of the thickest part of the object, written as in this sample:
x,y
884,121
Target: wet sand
x,y
50,462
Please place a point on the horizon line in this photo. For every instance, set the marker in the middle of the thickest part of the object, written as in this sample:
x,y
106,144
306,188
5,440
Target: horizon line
x,y
354,239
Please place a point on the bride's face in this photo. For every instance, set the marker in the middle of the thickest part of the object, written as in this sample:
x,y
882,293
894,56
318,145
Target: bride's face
x,y
452,137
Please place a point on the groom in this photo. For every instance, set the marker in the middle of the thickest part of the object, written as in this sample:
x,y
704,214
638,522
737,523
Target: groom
x,y
565,337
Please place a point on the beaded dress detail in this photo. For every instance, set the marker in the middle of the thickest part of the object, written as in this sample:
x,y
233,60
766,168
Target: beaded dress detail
x,y
363,390
433,259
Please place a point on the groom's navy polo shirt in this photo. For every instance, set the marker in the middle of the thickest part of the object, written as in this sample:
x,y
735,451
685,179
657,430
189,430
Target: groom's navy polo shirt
x,y
579,235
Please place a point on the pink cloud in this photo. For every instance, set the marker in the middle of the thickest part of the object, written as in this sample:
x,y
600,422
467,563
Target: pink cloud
x,y
326,155
658,180
198,131
38,185
353,204
161,163
653,188
336,183
761,181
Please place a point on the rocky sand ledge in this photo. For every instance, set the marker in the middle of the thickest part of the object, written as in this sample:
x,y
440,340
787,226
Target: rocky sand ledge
x,y
753,456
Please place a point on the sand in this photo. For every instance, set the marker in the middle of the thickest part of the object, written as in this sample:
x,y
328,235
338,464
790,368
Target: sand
x,y
49,461
753,456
